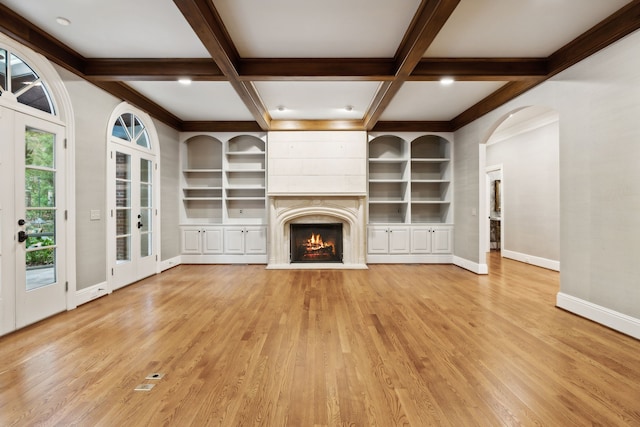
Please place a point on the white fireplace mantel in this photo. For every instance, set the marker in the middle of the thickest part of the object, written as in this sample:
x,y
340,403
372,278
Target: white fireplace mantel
x,y
349,210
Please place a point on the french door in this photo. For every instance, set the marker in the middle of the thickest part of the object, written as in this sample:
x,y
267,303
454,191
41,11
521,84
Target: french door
x,y
39,220
133,216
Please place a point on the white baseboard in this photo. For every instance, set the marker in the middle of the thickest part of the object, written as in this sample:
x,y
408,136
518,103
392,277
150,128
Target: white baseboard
x,y
85,295
533,260
317,266
224,259
617,321
409,259
470,265
170,263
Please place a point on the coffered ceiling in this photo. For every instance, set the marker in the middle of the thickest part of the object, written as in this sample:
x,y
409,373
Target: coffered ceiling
x,y
334,64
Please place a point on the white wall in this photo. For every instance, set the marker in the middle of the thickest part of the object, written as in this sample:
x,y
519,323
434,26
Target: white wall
x,y
531,184
598,101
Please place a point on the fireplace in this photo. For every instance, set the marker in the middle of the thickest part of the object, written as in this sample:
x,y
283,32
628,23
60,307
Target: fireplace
x,y
317,243
347,213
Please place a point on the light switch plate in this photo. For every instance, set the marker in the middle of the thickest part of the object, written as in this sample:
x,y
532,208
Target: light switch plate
x,y
95,214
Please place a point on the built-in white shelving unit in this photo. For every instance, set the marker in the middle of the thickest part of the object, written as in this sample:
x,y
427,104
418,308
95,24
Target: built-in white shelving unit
x,y
410,213
223,206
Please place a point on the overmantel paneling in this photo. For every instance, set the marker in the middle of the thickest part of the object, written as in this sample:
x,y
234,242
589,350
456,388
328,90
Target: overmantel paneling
x,y
310,163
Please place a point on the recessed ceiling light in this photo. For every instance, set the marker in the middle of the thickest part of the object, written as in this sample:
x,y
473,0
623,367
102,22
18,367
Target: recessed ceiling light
x,y
63,21
185,81
349,108
446,81
281,108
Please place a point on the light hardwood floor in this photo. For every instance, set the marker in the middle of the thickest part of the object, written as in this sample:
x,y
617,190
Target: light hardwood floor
x,y
415,345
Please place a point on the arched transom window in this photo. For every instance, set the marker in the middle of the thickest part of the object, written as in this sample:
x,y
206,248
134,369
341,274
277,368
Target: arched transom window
x,y
19,80
130,128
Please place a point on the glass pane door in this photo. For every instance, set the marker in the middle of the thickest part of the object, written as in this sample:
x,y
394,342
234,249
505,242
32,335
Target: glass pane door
x,y
40,206
145,218
39,198
123,207
134,217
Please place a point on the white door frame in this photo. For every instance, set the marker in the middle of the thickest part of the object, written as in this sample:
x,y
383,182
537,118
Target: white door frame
x,y
487,213
64,116
154,155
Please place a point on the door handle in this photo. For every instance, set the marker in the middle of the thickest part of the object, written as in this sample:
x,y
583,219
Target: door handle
x,y
139,224
22,236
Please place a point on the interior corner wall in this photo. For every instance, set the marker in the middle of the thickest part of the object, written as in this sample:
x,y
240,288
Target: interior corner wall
x,y
92,108
530,177
170,182
598,102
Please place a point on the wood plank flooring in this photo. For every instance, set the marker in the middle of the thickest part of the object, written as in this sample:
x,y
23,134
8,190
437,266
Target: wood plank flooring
x,y
411,345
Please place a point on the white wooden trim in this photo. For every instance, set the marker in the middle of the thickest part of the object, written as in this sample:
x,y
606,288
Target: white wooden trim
x,y
85,295
170,263
533,260
224,259
409,259
470,265
612,319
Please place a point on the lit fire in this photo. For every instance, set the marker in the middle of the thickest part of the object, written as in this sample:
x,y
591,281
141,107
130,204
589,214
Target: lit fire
x,y
315,243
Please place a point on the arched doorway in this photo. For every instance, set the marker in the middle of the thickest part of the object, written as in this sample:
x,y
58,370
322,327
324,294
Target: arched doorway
x,y
133,197
37,228
524,147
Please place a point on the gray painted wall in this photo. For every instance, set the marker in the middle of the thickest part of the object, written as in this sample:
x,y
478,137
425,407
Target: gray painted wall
x,y
531,185
170,181
598,101
93,108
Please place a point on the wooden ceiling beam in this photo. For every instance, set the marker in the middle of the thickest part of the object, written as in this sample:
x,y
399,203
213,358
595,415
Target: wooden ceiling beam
x,y
428,21
121,90
208,26
325,69
315,125
28,34
412,126
608,31
479,69
623,22
18,28
501,96
220,126
165,69
344,69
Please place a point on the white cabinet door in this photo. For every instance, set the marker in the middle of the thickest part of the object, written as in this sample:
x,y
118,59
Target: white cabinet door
x,y
431,240
442,240
388,240
399,240
377,240
421,240
211,240
234,240
255,240
191,240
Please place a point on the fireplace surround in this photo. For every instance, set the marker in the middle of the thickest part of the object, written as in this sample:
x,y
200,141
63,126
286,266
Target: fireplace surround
x,y
346,211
